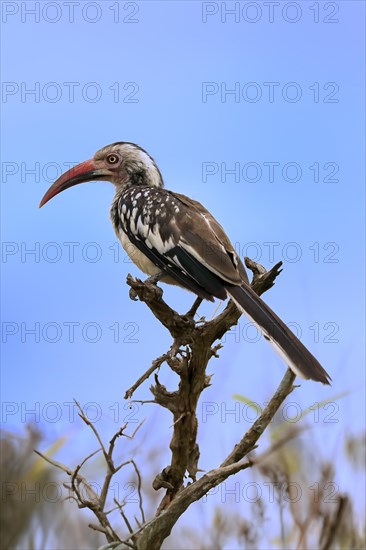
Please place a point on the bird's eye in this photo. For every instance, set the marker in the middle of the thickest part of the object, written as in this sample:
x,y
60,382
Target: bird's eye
x,y
112,159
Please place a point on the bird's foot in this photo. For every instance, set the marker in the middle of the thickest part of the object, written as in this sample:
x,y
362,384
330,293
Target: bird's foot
x,y
154,279
133,294
192,312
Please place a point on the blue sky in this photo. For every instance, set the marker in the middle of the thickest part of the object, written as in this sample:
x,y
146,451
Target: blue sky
x,y
205,92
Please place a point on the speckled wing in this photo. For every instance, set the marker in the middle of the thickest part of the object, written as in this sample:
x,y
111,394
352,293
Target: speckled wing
x,y
206,239
176,238
180,237
223,260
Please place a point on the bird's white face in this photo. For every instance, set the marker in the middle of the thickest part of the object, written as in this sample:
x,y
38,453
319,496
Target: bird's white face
x,y
128,163
122,163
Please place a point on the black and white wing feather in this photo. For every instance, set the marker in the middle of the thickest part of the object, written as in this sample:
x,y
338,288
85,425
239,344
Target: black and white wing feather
x,y
180,237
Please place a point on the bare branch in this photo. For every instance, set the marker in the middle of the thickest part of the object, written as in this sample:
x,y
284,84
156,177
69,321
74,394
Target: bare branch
x,y
89,457
128,525
174,508
151,295
98,528
247,443
94,502
91,425
136,430
139,490
58,465
156,364
114,439
191,350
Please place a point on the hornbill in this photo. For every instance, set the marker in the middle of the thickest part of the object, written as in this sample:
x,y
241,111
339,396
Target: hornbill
x,y
173,238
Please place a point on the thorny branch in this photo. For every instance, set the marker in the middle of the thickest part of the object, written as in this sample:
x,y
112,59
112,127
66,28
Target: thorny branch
x,y
192,348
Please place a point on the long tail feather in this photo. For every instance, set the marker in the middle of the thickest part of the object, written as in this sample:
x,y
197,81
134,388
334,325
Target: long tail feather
x,y
287,345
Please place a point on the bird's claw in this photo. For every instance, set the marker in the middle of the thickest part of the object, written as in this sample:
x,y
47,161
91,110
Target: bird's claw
x,y
154,279
133,294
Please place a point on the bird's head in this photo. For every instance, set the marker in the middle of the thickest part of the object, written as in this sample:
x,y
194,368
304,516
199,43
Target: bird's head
x,y
121,163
